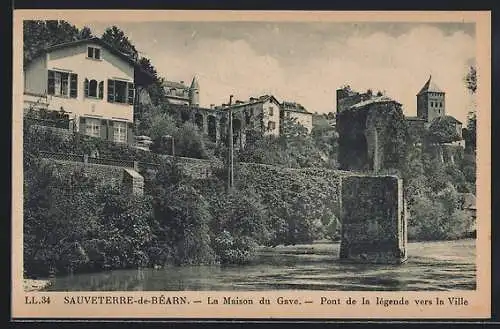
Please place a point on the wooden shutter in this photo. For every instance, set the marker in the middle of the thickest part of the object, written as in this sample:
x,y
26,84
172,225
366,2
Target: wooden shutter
x,y
101,89
97,53
104,129
111,131
73,85
86,87
50,83
111,91
130,88
130,133
82,125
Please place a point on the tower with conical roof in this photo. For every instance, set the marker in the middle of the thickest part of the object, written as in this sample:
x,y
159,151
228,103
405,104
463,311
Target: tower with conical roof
x,y
194,92
430,101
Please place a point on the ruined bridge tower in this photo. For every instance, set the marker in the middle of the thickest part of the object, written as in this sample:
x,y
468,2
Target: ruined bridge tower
x,y
372,139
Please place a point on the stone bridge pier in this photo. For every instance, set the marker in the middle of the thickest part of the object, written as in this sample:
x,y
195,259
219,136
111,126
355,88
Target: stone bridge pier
x,y
374,223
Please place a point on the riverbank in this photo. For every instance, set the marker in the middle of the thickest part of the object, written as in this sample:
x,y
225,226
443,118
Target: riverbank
x,y
35,285
431,266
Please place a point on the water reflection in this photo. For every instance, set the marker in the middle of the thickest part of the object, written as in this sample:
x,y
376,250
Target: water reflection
x,y
431,266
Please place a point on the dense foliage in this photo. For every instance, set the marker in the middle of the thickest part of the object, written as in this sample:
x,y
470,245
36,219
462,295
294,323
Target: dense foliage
x,y
444,130
38,35
293,148
434,192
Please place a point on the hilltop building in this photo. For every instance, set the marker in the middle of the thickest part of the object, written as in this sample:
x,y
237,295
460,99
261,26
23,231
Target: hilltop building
x,y
430,101
431,107
179,93
261,115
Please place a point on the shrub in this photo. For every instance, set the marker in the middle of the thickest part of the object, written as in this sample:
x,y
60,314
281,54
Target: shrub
x,y
443,130
234,250
182,218
439,218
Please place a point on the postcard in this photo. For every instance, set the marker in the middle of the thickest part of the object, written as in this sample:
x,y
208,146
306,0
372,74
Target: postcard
x,y
251,164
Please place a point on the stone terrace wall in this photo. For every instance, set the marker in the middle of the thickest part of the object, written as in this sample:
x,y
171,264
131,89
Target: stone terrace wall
x,y
196,168
106,174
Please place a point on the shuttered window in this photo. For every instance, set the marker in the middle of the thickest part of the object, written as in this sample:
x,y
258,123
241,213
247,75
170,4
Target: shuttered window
x,y
86,87
73,85
120,92
130,87
62,84
101,89
92,88
111,91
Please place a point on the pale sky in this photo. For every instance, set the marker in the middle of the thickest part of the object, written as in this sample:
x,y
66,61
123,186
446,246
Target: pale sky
x,y
307,62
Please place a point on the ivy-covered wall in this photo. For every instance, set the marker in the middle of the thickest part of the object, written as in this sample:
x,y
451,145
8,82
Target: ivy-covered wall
x,y
373,220
372,137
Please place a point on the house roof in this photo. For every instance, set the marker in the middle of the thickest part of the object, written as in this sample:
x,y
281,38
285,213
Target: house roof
x,y
430,87
449,118
174,84
100,42
293,107
256,100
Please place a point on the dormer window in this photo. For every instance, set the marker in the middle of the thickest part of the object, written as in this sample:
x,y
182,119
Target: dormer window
x,y
94,53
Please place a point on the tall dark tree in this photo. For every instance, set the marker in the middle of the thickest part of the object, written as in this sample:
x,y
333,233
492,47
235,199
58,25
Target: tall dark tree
x,y
471,80
469,133
117,38
85,33
38,35
155,90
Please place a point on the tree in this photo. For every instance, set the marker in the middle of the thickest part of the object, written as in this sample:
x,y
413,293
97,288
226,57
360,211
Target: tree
x,y
471,80
443,130
117,38
85,33
155,90
182,218
38,35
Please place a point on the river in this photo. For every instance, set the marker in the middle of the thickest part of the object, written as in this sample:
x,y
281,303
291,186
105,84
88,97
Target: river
x,y
444,265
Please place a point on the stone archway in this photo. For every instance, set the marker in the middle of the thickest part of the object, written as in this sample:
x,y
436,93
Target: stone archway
x,y
223,129
184,115
198,120
237,132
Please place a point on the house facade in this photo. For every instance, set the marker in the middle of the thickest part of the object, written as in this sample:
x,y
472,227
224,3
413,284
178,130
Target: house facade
x,y
297,112
90,81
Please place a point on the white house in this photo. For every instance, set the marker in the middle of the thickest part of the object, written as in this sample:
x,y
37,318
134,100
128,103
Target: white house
x,y
91,81
292,110
258,112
